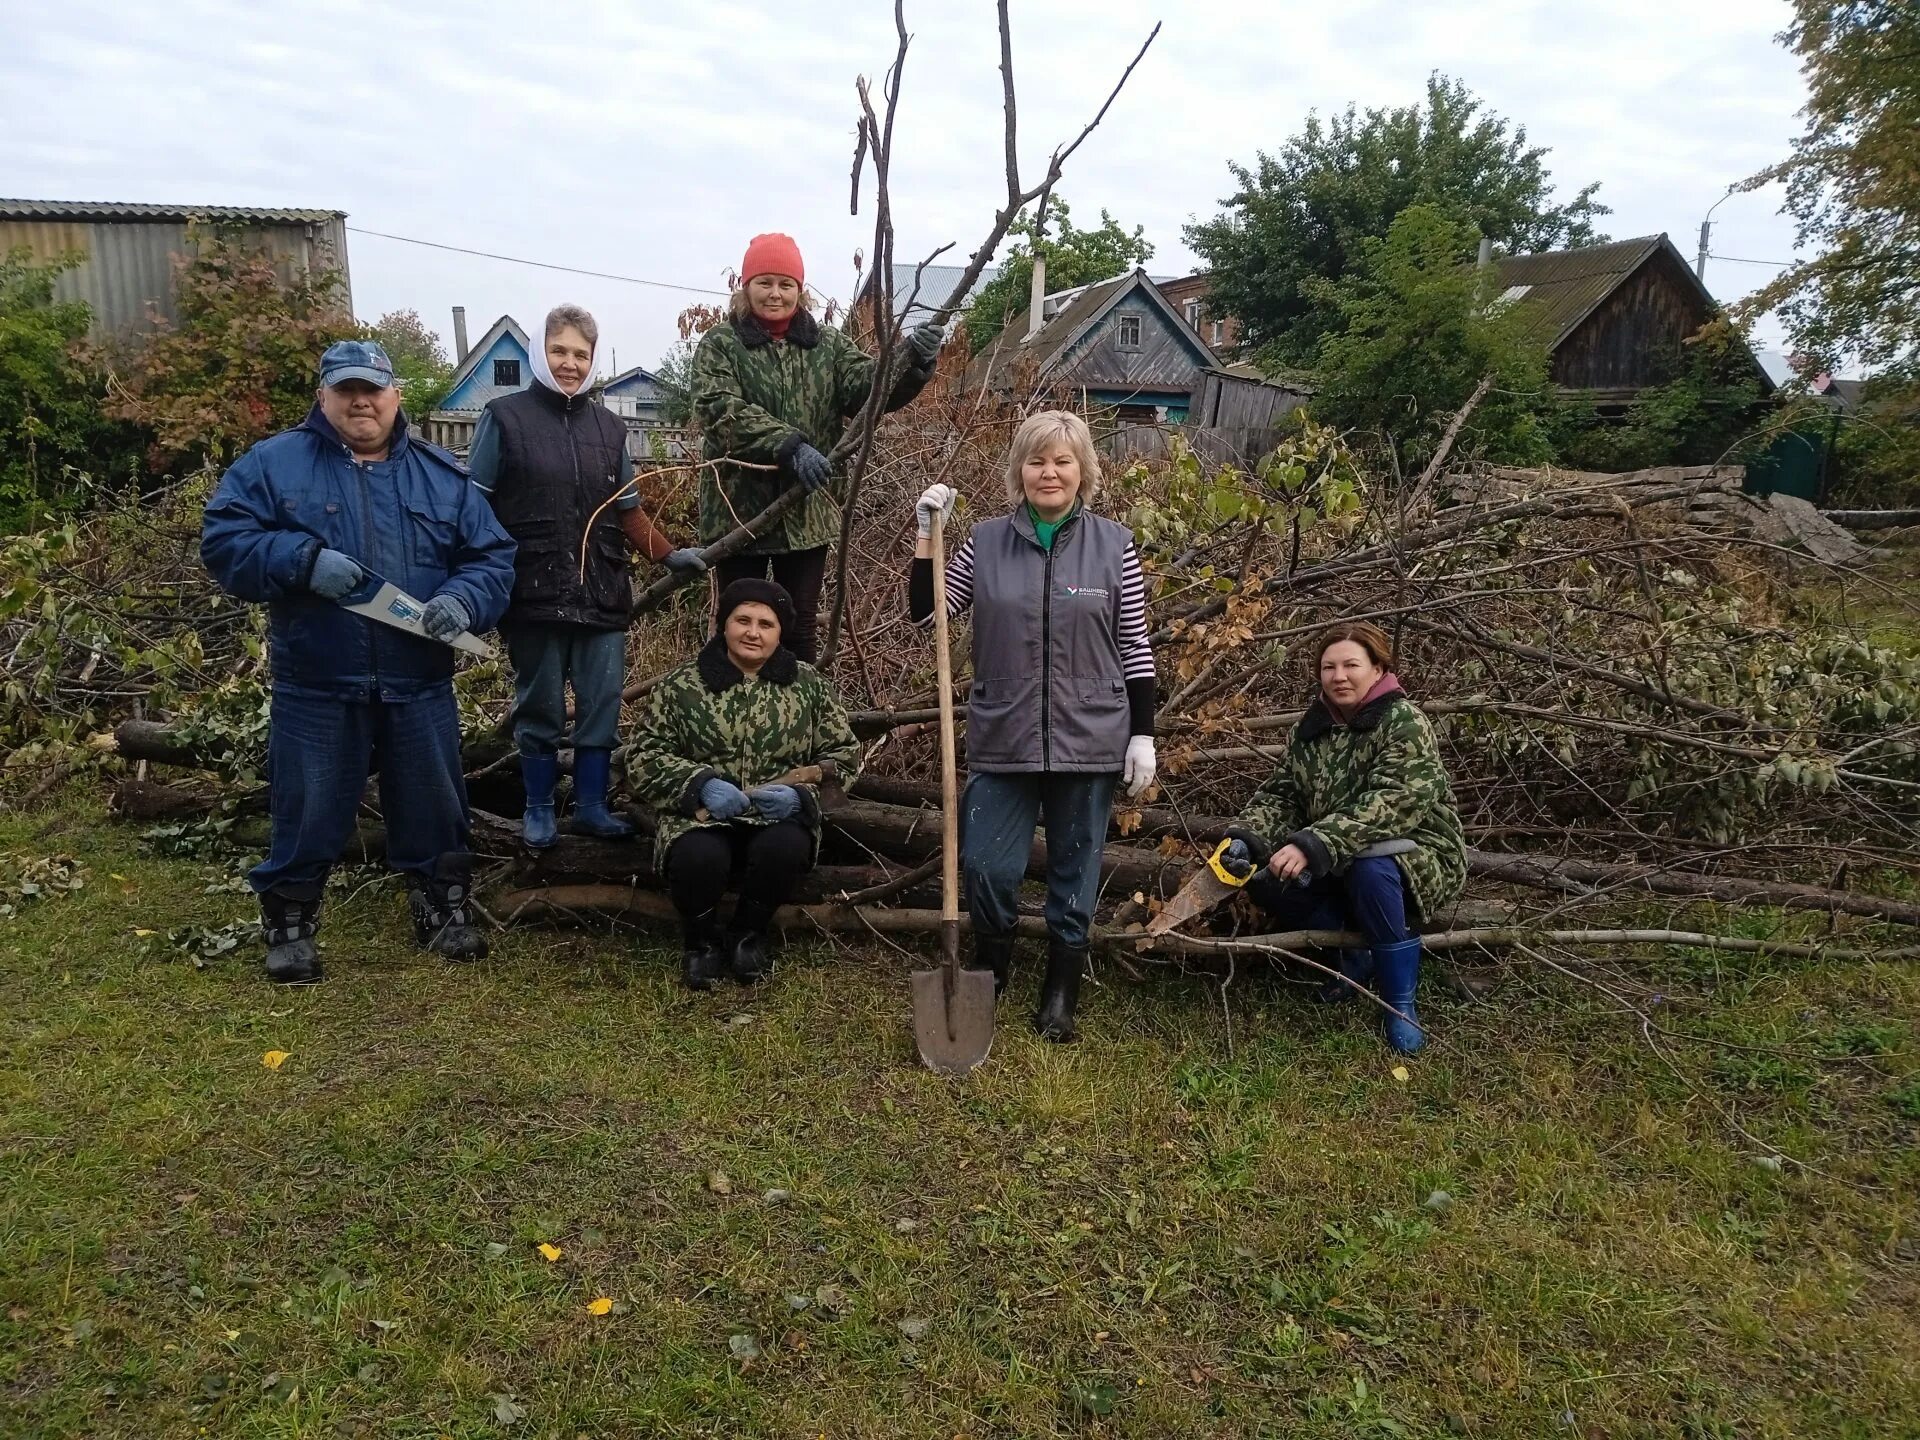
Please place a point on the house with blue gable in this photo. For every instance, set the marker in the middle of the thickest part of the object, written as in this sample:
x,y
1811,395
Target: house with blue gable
x,y
499,365
636,396
1118,346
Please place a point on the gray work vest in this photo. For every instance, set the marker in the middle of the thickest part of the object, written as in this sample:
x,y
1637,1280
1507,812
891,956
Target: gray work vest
x,y
1049,692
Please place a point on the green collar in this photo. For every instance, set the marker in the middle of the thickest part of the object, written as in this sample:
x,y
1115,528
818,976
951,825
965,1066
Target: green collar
x,y
1045,530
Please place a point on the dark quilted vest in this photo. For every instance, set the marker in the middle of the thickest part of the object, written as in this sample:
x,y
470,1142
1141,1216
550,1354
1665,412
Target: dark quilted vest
x,y
559,462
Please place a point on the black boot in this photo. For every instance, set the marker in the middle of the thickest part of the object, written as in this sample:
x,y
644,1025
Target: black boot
x,y
995,953
1060,991
289,916
747,954
442,920
703,958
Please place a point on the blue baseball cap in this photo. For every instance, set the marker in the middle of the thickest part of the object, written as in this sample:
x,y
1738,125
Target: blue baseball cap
x,y
356,360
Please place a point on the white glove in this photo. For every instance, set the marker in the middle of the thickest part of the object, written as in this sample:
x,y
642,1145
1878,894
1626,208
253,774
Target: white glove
x,y
1141,766
934,497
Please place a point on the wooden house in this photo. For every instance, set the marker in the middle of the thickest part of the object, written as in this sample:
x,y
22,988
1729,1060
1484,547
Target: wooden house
x,y
1614,317
1116,346
499,365
636,396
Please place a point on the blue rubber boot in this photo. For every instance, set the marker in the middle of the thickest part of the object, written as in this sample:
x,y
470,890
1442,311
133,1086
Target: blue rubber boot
x,y
539,773
1397,969
591,771
1356,968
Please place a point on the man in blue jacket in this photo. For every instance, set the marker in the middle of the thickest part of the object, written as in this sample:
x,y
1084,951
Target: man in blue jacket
x,y
318,515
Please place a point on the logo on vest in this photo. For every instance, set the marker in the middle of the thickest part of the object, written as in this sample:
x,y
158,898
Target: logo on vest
x,y
1091,592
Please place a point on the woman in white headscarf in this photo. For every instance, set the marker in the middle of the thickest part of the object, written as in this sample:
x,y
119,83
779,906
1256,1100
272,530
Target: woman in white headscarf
x,y
550,457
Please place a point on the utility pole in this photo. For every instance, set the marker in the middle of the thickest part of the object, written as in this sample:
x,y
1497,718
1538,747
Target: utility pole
x,y
1706,229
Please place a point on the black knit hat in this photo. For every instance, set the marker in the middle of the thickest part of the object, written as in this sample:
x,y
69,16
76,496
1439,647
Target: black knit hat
x,y
756,592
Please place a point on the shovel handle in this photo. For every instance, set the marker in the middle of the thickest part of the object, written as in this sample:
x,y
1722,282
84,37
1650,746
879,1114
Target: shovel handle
x,y
949,775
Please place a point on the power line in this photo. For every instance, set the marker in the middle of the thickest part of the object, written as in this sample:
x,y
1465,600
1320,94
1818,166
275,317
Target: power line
x,y
537,264
1738,260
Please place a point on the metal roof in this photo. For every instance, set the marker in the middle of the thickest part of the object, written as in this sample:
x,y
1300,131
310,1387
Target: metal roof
x,y
1063,329
1563,287
114,210
936,284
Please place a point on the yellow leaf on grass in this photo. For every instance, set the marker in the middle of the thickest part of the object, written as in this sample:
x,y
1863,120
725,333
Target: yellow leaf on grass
x,y
601,1306
550,1253
146,934
274,1059
1402,1074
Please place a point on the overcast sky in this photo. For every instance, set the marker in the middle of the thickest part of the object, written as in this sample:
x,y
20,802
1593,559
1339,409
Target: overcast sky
x,y
651,140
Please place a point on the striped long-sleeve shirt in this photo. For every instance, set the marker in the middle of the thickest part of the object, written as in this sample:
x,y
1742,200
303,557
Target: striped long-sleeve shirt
x,y
1136,653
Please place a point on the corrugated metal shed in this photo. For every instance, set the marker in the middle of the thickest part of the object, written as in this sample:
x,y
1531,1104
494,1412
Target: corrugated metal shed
x,y
125,275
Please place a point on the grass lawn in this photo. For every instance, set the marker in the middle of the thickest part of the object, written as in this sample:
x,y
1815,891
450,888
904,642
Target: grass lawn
x,y
802,1233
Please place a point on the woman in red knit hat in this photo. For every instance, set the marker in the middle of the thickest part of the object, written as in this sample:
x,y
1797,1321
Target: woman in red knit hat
x,y
773,389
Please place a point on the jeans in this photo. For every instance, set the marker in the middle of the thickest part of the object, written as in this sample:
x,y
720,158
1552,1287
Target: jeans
x,y
545,656
997,816
770,860
319,754
1370,898
800,573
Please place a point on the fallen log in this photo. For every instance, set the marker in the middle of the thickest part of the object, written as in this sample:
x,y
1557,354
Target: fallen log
x,y
840,919
1873,519
1574,876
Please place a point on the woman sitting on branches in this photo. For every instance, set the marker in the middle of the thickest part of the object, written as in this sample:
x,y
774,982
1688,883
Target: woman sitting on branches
x,y
1357,829
1061,710
554,462
730,754
773,389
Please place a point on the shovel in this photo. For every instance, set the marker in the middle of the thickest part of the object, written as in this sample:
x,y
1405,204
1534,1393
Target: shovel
x,y
952,1007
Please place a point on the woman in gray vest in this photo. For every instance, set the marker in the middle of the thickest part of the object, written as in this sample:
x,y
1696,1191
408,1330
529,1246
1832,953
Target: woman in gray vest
x,y
1062,704
550,458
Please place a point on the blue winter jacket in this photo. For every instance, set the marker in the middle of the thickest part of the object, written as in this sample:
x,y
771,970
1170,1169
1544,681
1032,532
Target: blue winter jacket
x,y
412,518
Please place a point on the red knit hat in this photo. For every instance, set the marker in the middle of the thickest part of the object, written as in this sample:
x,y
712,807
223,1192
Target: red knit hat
x,y
772,255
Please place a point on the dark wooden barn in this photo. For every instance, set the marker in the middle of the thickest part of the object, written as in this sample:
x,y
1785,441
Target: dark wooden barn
x,y
1614,317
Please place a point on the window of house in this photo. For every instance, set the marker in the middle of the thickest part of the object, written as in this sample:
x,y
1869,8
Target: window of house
x,y
1219,332
506,373
1129,332
1193,315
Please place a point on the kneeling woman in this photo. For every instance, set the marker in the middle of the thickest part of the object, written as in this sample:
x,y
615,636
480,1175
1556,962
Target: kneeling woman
x,y
1357,829
715,757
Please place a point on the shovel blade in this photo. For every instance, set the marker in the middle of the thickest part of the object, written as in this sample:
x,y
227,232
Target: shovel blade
x,y
953,1037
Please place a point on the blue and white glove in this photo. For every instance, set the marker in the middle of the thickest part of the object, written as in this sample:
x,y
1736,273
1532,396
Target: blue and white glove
x,y
724,800
334,575
443,617
777,802
685,561
810,467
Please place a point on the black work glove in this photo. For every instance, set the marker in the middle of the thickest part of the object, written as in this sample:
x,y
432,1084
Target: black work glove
x,y
810,467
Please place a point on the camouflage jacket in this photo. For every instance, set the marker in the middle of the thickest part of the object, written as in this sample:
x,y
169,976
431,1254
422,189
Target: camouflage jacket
x,y
707,721
1342,787
758,400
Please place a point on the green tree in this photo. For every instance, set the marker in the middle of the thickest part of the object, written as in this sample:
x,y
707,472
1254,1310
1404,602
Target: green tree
x,y
1876,461
1074,257
1307,213
419,359
53,438
1853,186
675,374
1416,330
240,364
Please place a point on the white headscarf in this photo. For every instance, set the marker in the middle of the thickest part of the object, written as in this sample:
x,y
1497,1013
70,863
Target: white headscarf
x,y
544,375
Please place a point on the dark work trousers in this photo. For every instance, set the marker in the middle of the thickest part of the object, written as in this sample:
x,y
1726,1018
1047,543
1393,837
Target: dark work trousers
x,y
997,816
768,860
319,754
800,573
1370,898
546,655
